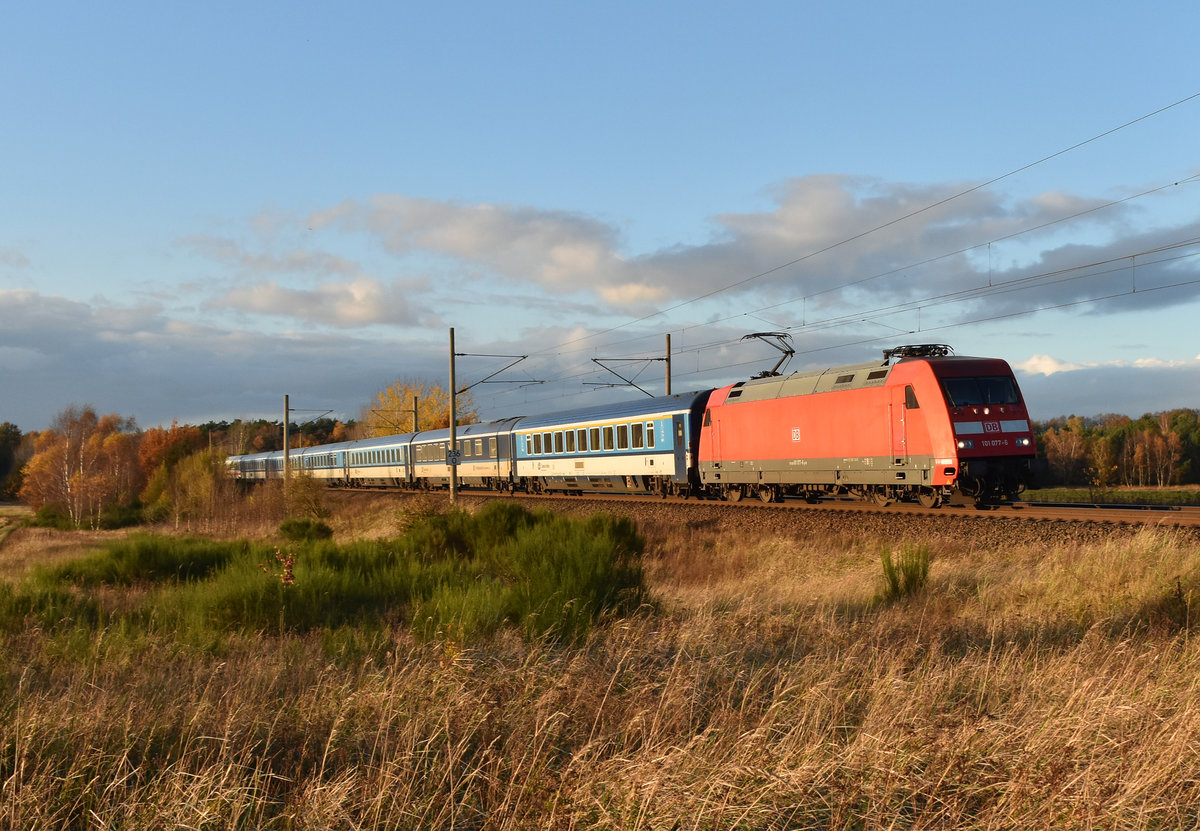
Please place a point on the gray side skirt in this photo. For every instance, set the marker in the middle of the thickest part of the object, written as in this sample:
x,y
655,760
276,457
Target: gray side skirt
x,y
869,470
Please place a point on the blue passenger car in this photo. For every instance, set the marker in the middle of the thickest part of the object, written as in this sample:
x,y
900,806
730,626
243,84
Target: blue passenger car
x,y
646,446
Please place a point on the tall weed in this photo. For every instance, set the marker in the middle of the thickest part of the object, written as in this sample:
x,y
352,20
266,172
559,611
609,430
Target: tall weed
x,y
906,576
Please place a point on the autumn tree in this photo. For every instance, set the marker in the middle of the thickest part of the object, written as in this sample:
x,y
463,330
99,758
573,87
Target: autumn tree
x,y
1066,450
84,464
166,446
391,411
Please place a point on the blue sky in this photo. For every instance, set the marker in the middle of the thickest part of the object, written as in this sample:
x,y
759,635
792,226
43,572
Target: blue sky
x,y
205,208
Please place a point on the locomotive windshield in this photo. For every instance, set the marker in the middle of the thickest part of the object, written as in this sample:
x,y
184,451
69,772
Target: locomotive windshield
x,y
969,392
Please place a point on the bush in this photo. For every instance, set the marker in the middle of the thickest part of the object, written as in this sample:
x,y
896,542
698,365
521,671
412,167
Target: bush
x,y
550,576
121,516
305,530
52,516
146,558
453,576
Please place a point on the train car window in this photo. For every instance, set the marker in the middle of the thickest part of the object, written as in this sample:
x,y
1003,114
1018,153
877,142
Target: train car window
x,y
537,444
622,437
639,436
546,443
844,379
910,398
528,445
570,438
582,442
608,438
478,447
877,374
594,438
650,434
558,442
491,448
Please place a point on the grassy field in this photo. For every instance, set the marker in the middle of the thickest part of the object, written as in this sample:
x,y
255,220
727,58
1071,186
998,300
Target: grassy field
x,y
1183,495
764,684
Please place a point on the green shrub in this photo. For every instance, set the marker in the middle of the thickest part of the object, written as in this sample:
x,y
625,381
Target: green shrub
x,y
305,530
146,557
121,516
52,516
454,576
907,576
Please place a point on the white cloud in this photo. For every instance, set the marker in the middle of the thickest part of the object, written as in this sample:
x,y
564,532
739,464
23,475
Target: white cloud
x,y
824,234
1047,365
359,302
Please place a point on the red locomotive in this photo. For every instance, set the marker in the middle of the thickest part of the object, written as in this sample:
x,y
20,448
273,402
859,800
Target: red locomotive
x,y
922,425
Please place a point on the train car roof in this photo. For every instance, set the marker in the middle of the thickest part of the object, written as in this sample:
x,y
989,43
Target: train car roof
x,y
661,405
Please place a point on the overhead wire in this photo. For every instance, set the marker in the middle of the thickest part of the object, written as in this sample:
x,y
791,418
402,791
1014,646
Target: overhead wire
x,y
888,224
560,349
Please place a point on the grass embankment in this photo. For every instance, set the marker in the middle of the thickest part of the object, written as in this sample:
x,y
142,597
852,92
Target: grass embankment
x,y
770,686
1189,495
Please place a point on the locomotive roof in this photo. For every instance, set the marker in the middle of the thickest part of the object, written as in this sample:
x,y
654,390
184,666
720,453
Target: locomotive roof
x,y
848,377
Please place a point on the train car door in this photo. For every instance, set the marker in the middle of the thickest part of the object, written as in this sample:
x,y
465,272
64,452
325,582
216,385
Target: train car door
x,y
898,418
679,428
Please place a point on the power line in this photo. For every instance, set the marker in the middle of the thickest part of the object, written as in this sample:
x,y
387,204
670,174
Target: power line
x,y
884,225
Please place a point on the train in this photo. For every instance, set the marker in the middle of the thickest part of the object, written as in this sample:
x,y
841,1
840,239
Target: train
x,y
922,425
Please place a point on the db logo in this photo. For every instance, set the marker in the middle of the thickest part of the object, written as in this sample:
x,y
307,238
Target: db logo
x,y
991,427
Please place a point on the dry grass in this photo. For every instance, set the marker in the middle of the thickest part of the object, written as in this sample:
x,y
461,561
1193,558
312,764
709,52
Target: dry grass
x,y
1049,688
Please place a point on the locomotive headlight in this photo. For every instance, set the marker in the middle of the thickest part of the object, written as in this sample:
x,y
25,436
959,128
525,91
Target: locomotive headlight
x,y
1024,442
965,444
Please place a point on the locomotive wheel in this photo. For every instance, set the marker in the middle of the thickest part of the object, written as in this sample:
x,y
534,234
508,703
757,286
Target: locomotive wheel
x,y
881,498
929,498
734,493
766,493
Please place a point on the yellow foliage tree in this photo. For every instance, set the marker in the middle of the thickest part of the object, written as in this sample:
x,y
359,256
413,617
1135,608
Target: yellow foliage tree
x,y
391,411
83,464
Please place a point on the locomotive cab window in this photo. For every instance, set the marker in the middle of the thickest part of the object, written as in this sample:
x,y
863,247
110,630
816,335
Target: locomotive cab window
x,y
972,392
910,398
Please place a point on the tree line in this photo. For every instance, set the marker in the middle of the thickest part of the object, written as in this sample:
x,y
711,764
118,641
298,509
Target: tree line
x,y
98,470
1156,450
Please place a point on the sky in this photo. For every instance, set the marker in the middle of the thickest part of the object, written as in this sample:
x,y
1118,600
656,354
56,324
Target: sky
x,y
207,207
